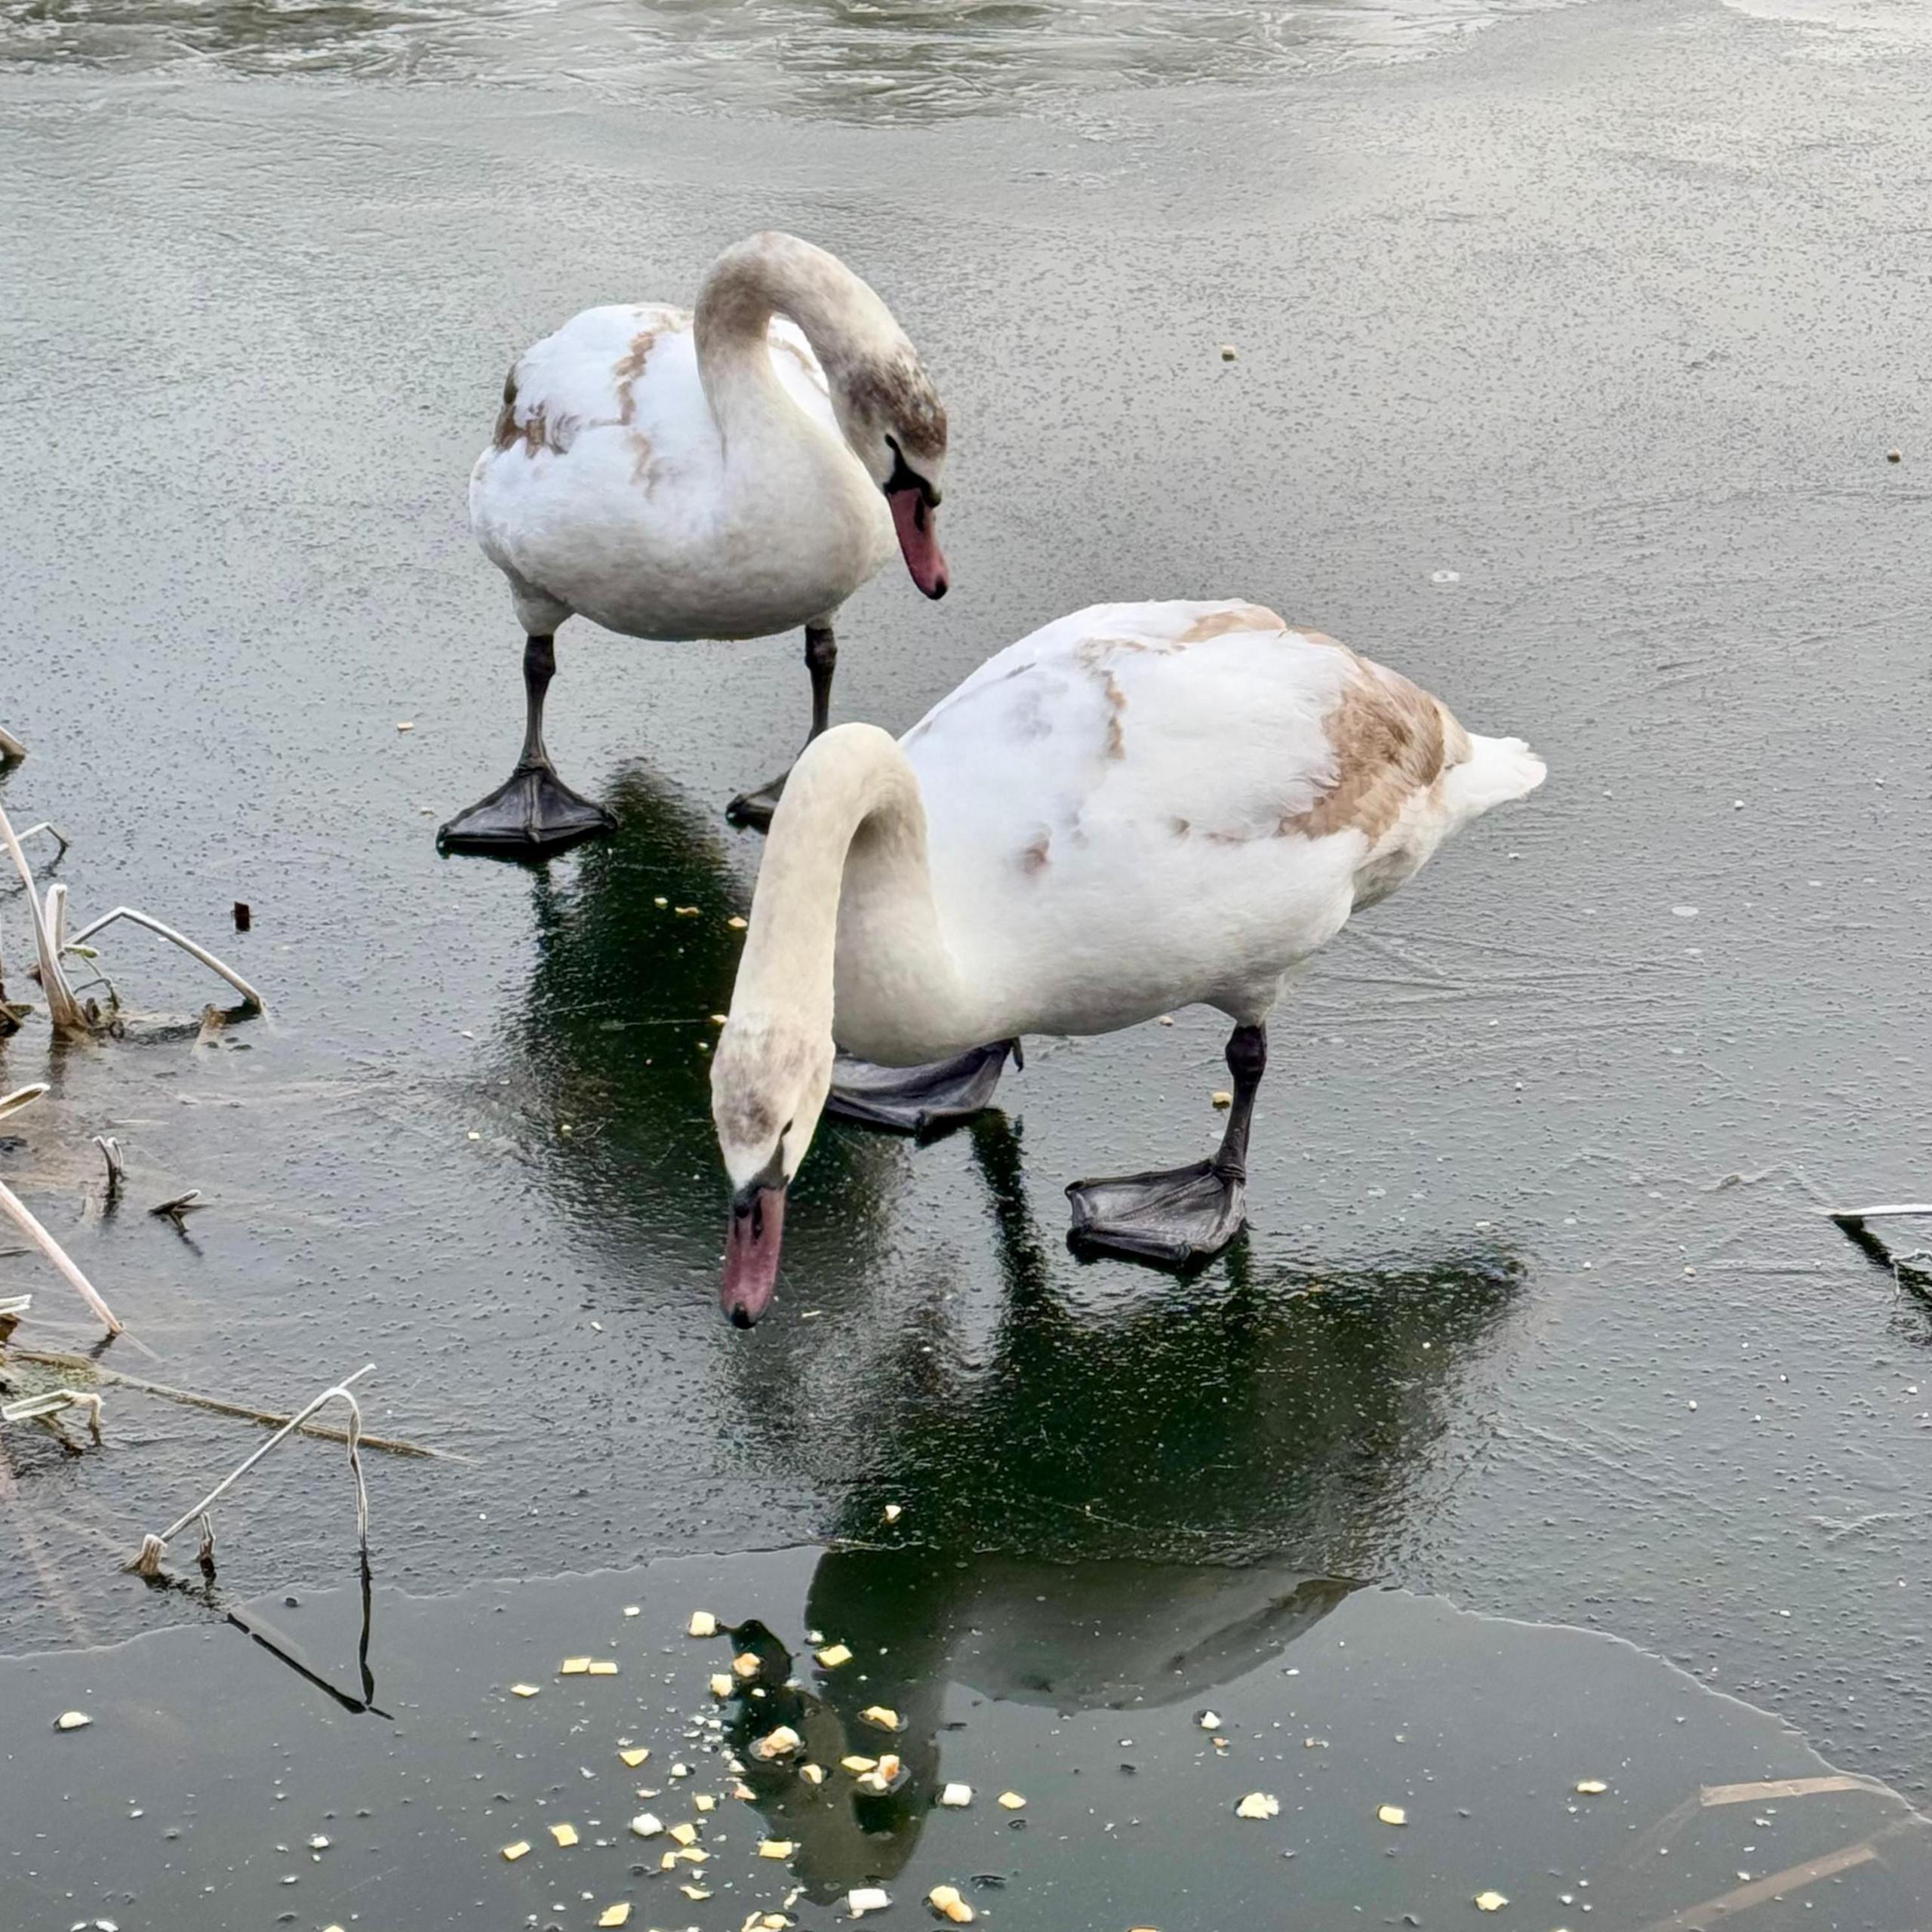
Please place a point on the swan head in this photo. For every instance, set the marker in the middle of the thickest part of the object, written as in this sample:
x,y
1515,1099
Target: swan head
x,y
893,419
769,1080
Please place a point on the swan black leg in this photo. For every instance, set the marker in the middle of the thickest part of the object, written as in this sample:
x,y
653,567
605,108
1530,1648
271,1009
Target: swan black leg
x,y
533,811
754,809
1186,1214
917,1099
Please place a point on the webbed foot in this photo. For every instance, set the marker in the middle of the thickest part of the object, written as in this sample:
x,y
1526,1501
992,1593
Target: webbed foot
x,y
1172,1220
531,812
915,1099
752,810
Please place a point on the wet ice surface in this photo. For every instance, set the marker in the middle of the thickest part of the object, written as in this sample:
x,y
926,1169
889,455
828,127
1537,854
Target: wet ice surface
x,y
1132,1706
1613,312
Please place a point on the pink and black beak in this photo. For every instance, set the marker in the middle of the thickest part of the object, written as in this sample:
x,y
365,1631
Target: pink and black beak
x,y
915,504
751,1247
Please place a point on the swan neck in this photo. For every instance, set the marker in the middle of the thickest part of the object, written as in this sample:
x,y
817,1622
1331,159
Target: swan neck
x,y
746,286
846,850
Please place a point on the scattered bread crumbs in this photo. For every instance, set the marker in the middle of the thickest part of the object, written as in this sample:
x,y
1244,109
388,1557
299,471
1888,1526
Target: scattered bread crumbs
x,y
1258,1804
1011,1801
633,1610
776,1848
1491,1901
894,1511
563,1834
1392,1814
945,1899
646,1825
694,1891
684,1834
702,1624
512,1853
634,1758
880,1717
523,1690
615,1914
721,1685
779,1743
866,1898
603,1667
1222,1098
858,1766
1590,1787
744,1665
736,924
956,1797
73,1720
833,1655
704,1802
575,1667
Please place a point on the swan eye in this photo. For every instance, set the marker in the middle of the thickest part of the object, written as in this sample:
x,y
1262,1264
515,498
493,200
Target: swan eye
x,y
905,477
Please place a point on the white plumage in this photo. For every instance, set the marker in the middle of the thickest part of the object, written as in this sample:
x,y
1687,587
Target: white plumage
x,y
1139,808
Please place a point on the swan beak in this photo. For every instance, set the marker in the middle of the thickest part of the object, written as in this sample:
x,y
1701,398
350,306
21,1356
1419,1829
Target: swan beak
x,y
751,1252
913,517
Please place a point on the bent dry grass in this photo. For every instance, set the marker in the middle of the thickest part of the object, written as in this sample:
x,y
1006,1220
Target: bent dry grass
x,y
147,1563
53,944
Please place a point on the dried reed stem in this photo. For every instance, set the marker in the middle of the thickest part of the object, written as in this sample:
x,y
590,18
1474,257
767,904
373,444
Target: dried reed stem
x,y
389,1445
17,1211
61,1007
250,996
153,1547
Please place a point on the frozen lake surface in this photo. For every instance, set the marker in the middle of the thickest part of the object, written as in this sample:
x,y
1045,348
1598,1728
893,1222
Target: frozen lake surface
x,y
1612,311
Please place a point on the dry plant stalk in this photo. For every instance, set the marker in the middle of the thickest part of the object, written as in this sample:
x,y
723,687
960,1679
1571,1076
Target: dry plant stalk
x,y
250,997
43,1409
153,1547
62,1007
15,1210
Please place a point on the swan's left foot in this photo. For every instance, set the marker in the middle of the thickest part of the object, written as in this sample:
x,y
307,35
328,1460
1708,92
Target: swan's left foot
x,y
915,1099
1173,1219
752,810
1182,1215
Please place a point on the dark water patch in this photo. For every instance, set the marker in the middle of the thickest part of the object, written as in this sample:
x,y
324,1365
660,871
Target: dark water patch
x,y
1415,1758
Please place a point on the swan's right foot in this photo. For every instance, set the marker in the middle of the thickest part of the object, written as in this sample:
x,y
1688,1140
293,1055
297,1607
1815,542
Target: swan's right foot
x,y
1182,1216
533,812
916,1100
1172,1220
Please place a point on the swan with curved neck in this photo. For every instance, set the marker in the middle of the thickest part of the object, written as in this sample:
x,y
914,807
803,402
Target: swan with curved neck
x,y
1140,807
730,472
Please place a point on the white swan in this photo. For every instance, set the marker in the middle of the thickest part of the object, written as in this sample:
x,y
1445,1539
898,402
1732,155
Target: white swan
x,y
727,474
1138,807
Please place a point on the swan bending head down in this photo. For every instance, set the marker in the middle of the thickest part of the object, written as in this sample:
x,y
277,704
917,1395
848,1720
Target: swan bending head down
x,y
887,410
769,1081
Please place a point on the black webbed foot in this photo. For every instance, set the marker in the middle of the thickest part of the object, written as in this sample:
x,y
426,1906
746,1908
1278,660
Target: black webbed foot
x,y
531,812
752,810
916,1100
1172,1220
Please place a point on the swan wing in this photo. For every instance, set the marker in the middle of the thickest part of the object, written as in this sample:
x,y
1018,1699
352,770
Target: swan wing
x,y
1145,804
